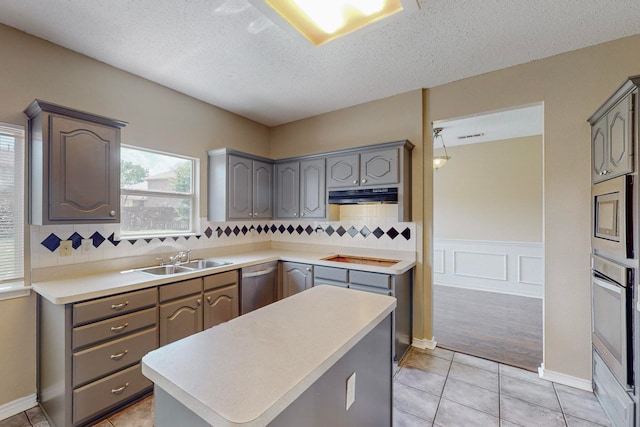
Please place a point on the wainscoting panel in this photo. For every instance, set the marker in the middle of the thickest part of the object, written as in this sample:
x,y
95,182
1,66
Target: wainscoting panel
x,y
513,268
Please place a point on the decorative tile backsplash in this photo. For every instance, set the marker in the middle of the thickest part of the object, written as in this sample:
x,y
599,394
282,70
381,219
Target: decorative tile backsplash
x,y
45,240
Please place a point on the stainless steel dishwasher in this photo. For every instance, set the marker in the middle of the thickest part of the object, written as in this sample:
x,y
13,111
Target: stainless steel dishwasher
x,y
258,286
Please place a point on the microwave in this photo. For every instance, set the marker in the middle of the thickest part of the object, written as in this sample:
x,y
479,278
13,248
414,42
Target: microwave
x,y
612,225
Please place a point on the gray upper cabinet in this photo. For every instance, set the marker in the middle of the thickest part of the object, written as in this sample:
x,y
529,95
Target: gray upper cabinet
x,y
74,166
612,136
369,168
300,189
239,186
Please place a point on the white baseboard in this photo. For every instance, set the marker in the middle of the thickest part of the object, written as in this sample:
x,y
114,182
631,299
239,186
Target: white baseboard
x,y
564,379
19,405
423,343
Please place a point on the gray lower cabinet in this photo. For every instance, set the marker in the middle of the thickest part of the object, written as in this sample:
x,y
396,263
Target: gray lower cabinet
x,y
221,301
181,310
296,277
74,166
89,354
398,286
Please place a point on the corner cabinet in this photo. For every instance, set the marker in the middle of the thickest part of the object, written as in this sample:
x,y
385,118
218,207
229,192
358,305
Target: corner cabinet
x,y
300,189
240,186
296,278
613,134
74,166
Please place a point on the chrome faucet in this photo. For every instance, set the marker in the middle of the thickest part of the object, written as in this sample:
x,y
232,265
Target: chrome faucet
x,y
180,257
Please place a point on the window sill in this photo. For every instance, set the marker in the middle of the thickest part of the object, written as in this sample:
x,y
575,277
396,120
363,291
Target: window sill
x,y
14,290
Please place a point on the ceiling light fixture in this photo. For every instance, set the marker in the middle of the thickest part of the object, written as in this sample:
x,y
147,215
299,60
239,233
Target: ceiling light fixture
x,y
439,161
321,21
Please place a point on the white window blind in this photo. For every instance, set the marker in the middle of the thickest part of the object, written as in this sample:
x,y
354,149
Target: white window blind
x,y
11,205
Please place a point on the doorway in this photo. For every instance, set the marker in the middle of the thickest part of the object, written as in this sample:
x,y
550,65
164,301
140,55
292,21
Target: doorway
x,y
488,259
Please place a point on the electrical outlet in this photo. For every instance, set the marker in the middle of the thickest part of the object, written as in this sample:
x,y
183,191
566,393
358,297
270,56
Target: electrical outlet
x,y
65,248
351,390
86,245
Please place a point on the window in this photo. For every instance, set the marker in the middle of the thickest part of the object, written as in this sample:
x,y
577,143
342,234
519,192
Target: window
x,y
158,193
11,206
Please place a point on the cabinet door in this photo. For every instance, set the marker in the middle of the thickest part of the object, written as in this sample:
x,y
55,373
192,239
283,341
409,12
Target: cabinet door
x,y
287,190
379,167
313,193
620,141
599,150
221,305
343,171
240,181
181,318
296,278
262,190
84,172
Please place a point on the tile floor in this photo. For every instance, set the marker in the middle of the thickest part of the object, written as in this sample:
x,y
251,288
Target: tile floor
x,y
439,388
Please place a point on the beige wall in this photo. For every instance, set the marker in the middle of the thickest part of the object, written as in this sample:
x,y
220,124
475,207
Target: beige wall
x,y
490,191
572,86
391,119
158,117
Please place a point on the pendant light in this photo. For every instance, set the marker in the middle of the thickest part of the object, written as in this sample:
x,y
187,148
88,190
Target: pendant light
x,y
439,161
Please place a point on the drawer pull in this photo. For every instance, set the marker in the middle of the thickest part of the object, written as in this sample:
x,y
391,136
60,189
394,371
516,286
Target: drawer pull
x,y
119,328
119,355
119,389
119,306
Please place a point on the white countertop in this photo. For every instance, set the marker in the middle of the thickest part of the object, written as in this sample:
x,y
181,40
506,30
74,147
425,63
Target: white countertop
x,y
67,290
247,371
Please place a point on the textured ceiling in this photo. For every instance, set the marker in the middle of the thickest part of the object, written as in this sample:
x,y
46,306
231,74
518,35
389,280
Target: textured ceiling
x,y
226,53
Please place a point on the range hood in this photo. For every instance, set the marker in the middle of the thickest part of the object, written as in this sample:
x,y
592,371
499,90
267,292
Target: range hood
x,y
363,195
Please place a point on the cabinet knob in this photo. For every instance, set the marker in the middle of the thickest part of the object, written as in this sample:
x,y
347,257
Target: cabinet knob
x,y
250,214
355,181
364,181
302,214
199,301
295,214
209,300
112,213
308,268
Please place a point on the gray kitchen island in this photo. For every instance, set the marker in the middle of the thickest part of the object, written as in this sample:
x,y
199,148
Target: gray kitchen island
x,y
321,357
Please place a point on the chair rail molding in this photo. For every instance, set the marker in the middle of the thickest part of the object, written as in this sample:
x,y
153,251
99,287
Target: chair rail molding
x,y
515,268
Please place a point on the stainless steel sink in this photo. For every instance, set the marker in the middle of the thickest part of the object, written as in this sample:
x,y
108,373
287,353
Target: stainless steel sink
x,y
169,269
201,264
165,270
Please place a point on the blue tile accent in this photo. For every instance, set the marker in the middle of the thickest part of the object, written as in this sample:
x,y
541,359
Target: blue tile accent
x,y
51,242
187,237
162,239
227,231
208,232
244,229
97,239
274,228
175,238
299,229
341,231
378,232
352,231
329,230
406,233
365,231
309,229
392,232
236,230
281,229
148,240
259,229
76,240
133,242
290,229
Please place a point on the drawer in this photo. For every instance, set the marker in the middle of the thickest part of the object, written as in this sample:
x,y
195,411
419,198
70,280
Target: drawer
x,y
116,305
180,289
114,327
108,392
370,279
106,358
331,273
222,279
372,289
320,282
615,401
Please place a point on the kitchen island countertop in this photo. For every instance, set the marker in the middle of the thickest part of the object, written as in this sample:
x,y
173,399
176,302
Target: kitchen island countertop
x,y
245,372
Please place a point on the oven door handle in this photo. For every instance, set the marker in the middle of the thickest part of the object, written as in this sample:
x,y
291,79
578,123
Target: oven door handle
x,y
614,288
